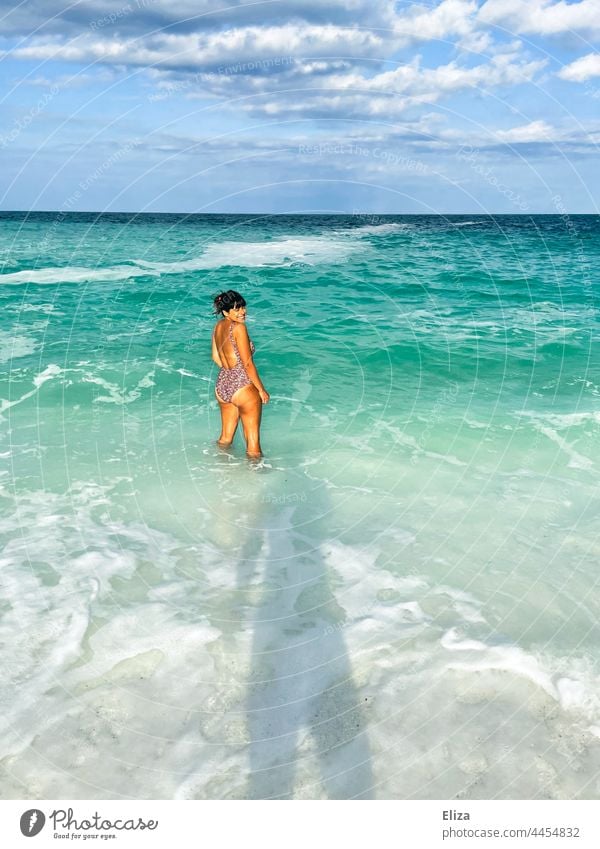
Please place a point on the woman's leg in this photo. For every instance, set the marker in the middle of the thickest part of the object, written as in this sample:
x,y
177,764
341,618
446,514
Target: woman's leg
x,y
230,416
250,406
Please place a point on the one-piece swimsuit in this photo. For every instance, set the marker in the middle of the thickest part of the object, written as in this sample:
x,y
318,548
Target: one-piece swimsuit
x,y
229,380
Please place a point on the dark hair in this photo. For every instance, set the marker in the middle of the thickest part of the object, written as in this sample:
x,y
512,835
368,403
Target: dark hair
x,y
227,301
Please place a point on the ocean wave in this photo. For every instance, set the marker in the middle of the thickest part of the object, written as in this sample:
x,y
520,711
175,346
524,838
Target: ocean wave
x,y
53,595
283,252
375,229
50,372
469,660
73,274
570,682
563,420
13,346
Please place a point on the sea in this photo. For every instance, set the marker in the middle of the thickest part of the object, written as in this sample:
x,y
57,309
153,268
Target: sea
x,y
400,600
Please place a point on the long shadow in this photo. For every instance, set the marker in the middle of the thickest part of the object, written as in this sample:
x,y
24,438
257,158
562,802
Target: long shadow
x,y
305,717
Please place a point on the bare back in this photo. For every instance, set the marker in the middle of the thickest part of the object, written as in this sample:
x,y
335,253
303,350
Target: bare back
x,y
224,346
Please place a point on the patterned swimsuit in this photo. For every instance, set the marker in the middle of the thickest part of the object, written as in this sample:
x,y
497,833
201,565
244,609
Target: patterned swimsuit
x,y
229,380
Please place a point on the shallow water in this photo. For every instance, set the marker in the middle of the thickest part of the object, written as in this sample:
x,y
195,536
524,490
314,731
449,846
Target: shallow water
x,y
399,601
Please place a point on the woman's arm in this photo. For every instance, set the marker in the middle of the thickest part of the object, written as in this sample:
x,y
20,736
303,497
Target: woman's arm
x,y
240,333
215,352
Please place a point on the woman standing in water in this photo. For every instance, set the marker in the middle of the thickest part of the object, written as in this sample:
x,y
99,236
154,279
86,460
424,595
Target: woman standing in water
x,y
239,389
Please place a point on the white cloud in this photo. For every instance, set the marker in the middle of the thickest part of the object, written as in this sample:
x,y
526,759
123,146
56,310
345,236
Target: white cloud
x,y
429,136
582,69
533,132
392,92
477,42
138,17
199,50
70,80
412,79
371,30
324,64
450,17
542,17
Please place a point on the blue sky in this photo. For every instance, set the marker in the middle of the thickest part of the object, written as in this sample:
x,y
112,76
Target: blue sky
x,y
365,106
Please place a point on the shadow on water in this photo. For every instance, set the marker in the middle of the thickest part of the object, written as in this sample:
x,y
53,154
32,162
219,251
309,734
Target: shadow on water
x,y
304,715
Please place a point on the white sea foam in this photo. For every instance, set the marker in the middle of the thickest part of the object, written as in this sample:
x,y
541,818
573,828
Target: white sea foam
x,y
13,346
45,308
453,642
73,274
464,603
380,229
325,640
373,593
576,460
384,229
582,695
116,395
49,373
578,691
282,252
421,692
53,593
563,420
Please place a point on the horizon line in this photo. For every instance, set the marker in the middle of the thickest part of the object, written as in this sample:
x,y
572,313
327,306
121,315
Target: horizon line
x,y
289,214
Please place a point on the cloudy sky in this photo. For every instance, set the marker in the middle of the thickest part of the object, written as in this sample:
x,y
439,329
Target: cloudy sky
x,y
301,105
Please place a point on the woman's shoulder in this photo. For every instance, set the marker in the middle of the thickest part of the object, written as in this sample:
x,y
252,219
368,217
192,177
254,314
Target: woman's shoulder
x,y
239,328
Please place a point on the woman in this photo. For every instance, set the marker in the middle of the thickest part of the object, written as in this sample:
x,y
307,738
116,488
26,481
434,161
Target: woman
x,y
239,389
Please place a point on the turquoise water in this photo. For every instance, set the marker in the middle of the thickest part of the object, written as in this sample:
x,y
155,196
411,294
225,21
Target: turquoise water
x,y
399,601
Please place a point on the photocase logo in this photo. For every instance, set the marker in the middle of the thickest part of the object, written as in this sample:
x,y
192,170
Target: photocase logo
x,y
32,822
